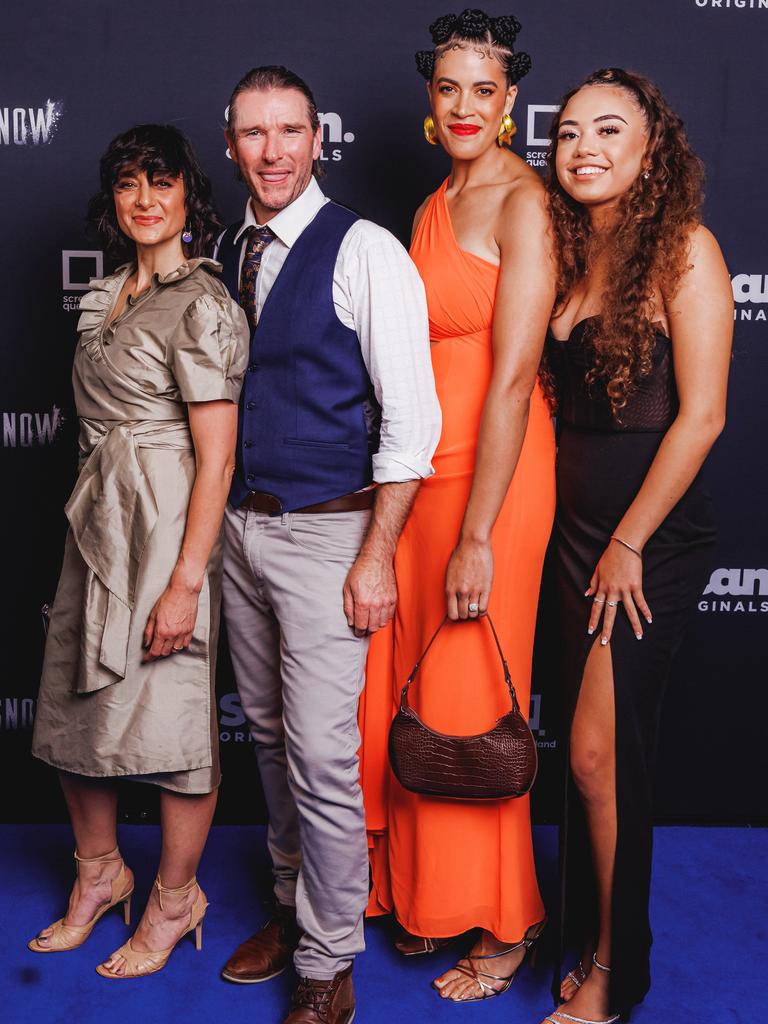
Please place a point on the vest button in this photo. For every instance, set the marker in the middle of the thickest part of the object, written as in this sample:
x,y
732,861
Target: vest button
x,y
251,477
247,444
253,368
250,405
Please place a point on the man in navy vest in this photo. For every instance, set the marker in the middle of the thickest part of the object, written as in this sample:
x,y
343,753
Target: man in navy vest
x,y
338,423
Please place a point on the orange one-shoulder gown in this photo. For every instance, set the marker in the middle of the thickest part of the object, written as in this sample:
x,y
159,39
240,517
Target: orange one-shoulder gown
x,y
445,866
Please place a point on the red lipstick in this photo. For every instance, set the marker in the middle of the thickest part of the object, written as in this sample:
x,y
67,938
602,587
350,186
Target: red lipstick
x,y
464,129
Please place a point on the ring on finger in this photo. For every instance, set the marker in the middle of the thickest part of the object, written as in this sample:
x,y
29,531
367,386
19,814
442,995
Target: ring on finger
x,y
612,604
598,600
473,606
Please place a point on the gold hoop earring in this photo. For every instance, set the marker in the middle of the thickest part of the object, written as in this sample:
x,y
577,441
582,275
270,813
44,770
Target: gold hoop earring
x,y
507,130
430,132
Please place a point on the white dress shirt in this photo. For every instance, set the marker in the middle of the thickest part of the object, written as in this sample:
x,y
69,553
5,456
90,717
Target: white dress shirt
x,y
377,292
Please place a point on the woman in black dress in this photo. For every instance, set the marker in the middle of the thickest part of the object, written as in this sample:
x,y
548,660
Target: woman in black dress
x,y
636,365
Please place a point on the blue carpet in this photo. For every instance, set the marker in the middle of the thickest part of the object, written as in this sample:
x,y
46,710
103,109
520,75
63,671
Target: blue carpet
x,y
709,913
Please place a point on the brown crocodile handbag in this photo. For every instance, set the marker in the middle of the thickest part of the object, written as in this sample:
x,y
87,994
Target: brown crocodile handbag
x,y
493,765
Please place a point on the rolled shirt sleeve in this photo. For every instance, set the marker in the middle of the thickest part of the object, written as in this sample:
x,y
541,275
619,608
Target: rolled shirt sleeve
x,y
379,294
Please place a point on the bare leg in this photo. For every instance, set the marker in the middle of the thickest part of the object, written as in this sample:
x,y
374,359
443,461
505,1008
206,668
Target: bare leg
x,y
185,823
593,764
92,806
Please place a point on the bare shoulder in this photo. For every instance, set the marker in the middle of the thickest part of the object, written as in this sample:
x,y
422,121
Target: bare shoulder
x,y
524,208
420,213
703,247
705,262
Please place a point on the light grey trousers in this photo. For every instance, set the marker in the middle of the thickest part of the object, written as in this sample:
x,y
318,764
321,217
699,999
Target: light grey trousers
x,y
300,671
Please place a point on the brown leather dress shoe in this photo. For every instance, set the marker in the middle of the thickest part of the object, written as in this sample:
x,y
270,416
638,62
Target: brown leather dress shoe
x,y
267,953
324,1002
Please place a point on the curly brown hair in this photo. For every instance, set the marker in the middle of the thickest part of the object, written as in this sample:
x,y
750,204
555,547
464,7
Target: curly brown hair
x,y
155,149
648,246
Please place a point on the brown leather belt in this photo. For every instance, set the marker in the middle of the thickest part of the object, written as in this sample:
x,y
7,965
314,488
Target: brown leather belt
x,y
261,501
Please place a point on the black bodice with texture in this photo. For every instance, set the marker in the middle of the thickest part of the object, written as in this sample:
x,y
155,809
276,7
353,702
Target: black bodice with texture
x,y
651,407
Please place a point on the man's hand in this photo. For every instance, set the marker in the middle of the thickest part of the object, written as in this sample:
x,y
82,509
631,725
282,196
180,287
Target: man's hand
x,y
370,593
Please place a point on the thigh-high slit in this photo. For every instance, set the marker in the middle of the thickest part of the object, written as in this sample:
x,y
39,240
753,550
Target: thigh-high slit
x,y
598,476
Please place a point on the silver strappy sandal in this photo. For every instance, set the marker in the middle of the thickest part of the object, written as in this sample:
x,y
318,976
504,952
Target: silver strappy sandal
x,y
488,991
558,1016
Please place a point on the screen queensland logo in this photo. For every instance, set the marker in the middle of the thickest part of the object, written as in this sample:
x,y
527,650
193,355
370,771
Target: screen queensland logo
x,y
736,591
750,296
30,125
537,125
78,266
334,135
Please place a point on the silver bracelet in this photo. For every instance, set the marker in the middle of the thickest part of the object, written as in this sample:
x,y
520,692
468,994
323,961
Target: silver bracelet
x,y
624,543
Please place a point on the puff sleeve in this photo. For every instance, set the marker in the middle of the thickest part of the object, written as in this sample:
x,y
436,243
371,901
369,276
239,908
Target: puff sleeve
x,y
208,351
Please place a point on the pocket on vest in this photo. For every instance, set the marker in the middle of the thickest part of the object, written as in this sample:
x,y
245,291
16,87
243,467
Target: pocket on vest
x,y
298,442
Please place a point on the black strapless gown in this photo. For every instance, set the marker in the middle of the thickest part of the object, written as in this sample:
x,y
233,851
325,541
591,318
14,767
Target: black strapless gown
x,y
601,465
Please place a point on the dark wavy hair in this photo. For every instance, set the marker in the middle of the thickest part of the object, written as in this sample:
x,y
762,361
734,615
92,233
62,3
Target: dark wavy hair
x,y
648,247
495,36
155,149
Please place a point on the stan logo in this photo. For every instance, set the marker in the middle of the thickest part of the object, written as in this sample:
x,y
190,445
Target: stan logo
x,y
743,584
745,4
30,126
232,724
333,135
78,266
536,132
750,290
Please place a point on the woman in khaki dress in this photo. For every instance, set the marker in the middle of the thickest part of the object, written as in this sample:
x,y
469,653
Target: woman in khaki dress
x,y
128,678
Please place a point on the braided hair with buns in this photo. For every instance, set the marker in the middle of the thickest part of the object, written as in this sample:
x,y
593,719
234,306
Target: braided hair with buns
x,y
474,27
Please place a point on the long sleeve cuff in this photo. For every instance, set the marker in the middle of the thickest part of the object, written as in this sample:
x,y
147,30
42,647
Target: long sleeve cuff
x,y
399,467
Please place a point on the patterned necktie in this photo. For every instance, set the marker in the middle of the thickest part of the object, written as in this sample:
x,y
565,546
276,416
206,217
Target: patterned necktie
x,y
258,240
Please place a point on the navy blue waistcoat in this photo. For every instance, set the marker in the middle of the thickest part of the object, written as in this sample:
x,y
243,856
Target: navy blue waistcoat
x,y
302,432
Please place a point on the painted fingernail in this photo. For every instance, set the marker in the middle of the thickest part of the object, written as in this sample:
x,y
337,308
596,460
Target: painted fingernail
x,y
603,641
586,593
591,630
639,636
649,618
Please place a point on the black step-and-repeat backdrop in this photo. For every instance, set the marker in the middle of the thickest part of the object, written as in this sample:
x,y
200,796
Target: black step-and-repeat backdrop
x,y
75,74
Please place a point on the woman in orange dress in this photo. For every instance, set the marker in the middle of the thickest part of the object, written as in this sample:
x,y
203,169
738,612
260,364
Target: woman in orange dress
x,y
479,528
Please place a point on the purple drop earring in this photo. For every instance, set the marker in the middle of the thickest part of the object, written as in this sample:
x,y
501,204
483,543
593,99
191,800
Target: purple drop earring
x,y
186,236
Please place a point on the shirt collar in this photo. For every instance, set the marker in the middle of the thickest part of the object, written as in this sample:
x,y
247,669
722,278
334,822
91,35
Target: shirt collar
x,y
289,223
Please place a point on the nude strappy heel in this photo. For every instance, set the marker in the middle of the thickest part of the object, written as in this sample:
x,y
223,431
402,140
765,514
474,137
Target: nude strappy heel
x,y
69,936
141,962
488,991
558,1016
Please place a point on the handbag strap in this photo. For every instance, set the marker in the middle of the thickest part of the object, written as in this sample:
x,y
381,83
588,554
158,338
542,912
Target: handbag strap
x,y
507,676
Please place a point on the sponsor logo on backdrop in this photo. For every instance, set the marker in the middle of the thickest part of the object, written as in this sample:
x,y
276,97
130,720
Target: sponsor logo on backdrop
x,y
78,266
233,727
31,429
738,4
16,713
750,293
736,590
334,136
30,126
538,121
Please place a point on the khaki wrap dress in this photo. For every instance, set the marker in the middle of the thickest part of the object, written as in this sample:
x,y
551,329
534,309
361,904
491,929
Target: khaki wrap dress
x,y
101,711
